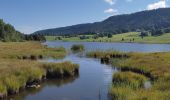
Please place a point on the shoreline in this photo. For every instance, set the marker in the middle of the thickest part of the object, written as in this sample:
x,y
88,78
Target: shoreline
x,y
109,42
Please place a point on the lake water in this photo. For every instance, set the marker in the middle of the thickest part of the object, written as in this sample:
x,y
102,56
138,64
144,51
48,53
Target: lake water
x,y
126,47
94,78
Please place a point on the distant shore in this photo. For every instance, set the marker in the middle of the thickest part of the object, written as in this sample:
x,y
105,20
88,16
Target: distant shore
x,y
131,37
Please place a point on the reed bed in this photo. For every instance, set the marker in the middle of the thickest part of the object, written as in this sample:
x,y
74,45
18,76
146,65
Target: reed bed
x,y
155,66
17,73
130,79
130,86
107,54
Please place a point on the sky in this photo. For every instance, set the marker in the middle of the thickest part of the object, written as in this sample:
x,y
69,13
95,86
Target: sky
x,y
29,16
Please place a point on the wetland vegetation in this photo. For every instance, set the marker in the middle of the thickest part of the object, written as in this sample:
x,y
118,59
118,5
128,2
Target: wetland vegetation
x,y
134,69
123,57
20,69
77,47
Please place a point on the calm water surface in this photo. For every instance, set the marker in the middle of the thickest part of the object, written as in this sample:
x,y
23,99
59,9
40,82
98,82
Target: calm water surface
x,y
127,47
94,79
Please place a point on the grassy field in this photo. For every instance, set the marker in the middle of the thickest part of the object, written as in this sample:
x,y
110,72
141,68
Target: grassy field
x,y
118,38
28,49
20,69
134,67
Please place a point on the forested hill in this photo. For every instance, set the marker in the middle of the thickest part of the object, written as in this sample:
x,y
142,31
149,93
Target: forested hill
x,y
146,20
9,34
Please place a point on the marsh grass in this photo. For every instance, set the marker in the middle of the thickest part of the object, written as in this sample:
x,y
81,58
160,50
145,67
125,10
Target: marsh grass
x,y
21,73
17,73
127,93
130,79
29,50
129,86
61,69
77,47
107,53
155,66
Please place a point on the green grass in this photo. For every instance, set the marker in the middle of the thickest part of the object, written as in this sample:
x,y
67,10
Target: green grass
x,y
127,85
118,38
127,93
27,49
129,79
107,53
77,47
17,73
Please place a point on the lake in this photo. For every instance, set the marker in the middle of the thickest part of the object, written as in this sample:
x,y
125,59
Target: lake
x,y
94,78
126,47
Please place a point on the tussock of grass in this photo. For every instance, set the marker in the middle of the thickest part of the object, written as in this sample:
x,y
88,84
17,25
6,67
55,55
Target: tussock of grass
x,y
77,47
61,69
108,53
128,86
20,73
129,79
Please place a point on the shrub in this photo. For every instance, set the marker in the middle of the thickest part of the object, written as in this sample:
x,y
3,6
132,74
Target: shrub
x,y
77,47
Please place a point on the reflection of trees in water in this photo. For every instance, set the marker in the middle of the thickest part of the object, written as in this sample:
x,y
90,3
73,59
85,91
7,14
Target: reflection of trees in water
x,y
49,83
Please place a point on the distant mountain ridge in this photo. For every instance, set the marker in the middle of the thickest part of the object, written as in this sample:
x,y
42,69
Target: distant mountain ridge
x,y
144,20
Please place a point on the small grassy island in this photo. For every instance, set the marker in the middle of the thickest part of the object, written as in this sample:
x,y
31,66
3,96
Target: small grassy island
x,y
77,47
20,69
135,70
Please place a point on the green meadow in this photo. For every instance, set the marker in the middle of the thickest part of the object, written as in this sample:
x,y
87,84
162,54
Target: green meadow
x,y
133,37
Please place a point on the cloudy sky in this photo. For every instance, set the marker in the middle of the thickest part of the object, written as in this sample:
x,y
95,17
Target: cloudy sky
x,y
31,15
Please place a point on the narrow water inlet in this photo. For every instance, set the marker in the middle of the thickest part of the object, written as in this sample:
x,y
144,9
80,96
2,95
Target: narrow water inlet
x,y
93,82
94,78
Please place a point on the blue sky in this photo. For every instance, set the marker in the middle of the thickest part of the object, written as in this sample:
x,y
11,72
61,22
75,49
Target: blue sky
x,y
31,15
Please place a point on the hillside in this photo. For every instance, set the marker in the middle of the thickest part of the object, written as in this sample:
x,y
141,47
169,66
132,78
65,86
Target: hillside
x,y
145,20
9,33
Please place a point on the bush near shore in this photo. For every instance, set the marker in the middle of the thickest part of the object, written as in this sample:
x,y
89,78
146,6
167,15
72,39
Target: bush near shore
x,y
77,47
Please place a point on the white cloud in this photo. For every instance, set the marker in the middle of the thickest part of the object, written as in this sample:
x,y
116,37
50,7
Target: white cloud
x,y
111,2
111,11
159,4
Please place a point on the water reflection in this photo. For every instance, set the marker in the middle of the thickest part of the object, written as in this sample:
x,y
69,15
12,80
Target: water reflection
x,y
95,78
46,83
